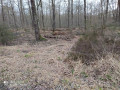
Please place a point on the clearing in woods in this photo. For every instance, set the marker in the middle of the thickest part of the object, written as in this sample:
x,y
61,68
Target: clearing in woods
x,y
47,65
40,62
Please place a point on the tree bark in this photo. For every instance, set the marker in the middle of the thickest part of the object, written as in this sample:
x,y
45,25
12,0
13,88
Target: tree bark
x,y
53,9
59,15
2,9
119,9
22,13
30,12
68,13
35,21
13,13
43,24
106,13
85,27
72,13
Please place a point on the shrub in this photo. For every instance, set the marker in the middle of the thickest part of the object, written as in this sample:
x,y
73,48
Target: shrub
x,y
6,36
42,38
92,46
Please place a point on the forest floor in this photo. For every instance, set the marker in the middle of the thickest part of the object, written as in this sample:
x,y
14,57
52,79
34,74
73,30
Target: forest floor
x,y
30,65
38,63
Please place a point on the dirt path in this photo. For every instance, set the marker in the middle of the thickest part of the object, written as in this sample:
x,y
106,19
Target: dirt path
x,y
42,62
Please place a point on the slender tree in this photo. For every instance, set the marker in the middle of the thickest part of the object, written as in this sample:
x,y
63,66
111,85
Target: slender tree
x,y
72,13
8,13
50,11
41,5
68,13
30,12
78,14
2,9
119,9
22,13
13,14
60,14
107,4
53,9
85,27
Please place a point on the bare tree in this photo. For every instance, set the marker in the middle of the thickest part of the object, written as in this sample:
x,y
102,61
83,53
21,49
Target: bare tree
x,y
2,9
104,15
119,9
107,4
21,12
85,27
35,21
53,9
13,14
78,13
68,13
41,5
60,14
72,12
50,11
64,13
30,12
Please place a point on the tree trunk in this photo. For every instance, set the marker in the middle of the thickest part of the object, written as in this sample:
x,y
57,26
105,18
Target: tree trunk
x,y
59,16
72,13
106,13
79,14
50,13
35,21
8,13
30,12
68,13
102,17
21,12
119,9
13,13
85,15
43,24
53,9
2,9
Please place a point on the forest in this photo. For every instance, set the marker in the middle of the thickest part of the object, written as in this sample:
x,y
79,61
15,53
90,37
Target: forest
x,y
59,44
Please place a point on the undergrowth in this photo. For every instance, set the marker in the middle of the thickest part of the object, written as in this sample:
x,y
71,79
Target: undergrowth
x,y
100,59
6,36
93,46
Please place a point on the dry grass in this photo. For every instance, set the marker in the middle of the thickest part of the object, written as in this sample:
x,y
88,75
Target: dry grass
x,y
100,75
93,46
93,63
95,60
38,65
